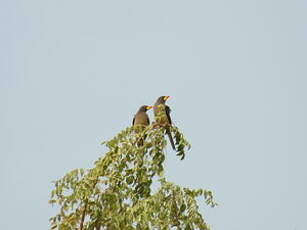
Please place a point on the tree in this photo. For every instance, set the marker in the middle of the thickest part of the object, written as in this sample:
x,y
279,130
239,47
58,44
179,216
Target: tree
x,y
117,192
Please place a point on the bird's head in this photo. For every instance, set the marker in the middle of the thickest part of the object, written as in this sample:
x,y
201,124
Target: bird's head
x,y
145,108
162,99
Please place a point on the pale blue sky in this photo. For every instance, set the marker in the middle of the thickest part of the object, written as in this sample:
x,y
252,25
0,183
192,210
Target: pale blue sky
x,y
73,73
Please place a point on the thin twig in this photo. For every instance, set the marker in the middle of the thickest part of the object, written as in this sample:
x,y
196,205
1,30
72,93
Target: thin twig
x,y
83,214
85,207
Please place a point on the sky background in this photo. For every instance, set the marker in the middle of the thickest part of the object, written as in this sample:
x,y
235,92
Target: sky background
x,y
73,73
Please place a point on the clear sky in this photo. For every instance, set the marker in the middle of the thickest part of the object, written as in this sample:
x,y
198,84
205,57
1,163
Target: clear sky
x,y
73,73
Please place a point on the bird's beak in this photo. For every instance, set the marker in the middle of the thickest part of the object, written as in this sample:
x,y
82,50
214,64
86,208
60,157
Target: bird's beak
x,y
149,107
166,97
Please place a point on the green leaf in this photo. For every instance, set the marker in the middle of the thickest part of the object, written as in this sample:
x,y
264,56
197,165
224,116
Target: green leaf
x,y
130,179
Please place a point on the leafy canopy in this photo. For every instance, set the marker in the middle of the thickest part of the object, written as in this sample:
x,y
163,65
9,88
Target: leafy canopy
x,y
117,193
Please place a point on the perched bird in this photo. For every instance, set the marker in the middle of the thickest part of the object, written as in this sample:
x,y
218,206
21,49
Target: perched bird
x,y
141,120
162,116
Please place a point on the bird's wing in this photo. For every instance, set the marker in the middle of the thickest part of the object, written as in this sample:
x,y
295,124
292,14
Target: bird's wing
x,y
168,111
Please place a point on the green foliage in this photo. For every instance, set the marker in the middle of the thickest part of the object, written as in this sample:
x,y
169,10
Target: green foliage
x,y
117,192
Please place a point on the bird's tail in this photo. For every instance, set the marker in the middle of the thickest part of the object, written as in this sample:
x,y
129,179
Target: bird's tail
x,y
168,132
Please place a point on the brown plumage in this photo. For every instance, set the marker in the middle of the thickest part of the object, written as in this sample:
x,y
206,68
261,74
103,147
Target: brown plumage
x,y
141,120
163,118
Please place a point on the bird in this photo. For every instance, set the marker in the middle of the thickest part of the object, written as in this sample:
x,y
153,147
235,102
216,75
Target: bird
x,y
162,116
141,120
